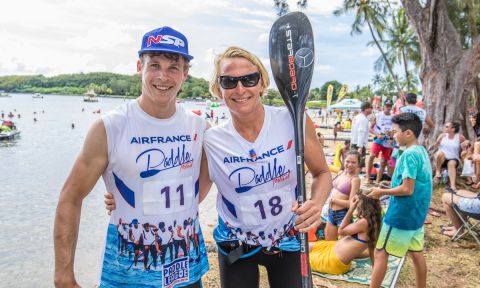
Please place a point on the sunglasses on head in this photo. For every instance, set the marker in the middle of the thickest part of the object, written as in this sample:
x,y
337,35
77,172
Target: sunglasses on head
x,y
230,82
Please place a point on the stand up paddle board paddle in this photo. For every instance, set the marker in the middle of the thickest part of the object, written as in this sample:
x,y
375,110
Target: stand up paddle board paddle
x,y
292,58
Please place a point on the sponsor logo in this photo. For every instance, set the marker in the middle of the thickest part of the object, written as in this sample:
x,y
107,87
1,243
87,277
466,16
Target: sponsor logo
x,y
156,160
256,157
304,57
291,60
246,178
165,39
176,272
159,139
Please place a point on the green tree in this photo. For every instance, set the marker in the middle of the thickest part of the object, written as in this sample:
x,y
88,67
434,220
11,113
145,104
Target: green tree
x,y
336,88
373,14
402,46
315,94
450,52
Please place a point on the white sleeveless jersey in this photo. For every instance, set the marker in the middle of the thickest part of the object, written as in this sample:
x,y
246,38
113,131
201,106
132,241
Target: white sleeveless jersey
x,y
148,237
165,236
256,181
416,110
136,233
153,170
383,123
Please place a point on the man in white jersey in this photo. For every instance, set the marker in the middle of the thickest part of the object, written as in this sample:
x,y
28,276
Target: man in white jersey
x,y
149,247
165,240
149,153
382,142
411,99
361,130
136,238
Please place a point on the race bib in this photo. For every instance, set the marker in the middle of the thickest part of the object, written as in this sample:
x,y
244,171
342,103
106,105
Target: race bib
x,y
259,209
168,196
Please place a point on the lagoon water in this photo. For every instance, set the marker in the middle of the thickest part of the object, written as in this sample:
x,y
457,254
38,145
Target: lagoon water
x,y
33,169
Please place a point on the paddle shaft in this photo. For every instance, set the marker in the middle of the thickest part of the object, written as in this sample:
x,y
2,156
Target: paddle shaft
x,y
302,195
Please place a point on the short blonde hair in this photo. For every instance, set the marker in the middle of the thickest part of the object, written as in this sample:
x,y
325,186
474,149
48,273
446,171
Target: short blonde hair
x,y
233,52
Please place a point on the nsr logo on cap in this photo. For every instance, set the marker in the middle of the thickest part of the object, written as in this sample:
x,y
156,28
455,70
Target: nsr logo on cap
x,y
165,39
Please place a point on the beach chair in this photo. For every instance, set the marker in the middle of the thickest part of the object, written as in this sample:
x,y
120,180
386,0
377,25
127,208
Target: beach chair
x,y
471,223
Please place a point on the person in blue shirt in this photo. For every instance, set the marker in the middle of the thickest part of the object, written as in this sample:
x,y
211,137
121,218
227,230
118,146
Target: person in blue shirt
x,y
410,195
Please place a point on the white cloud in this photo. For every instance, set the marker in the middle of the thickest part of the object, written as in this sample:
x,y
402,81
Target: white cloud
x,y
370,52
340,28
322,68
70,36
263,38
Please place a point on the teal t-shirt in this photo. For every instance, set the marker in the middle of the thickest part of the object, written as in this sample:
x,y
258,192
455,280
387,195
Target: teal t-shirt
x,y
409,212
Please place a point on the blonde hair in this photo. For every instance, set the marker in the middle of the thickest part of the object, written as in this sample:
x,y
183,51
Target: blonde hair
x,y
234,52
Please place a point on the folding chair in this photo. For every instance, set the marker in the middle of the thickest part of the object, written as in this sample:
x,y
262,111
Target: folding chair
x,y
470,223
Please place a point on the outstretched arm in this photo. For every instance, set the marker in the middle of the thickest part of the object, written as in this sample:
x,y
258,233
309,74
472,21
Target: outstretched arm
x,y
87,169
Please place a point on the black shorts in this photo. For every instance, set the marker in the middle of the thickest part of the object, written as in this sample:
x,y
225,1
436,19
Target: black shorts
x,y
445,163
283,270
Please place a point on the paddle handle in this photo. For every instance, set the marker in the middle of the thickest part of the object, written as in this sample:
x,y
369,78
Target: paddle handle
x,y
302,195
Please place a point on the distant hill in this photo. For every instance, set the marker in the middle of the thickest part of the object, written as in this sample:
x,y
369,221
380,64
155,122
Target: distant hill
x,y
103,83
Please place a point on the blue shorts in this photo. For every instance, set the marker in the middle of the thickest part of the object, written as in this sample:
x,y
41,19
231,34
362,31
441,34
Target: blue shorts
x,y
335,217
470,205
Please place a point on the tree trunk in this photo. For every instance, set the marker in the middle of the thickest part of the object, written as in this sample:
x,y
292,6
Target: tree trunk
x,y
476,94
448,73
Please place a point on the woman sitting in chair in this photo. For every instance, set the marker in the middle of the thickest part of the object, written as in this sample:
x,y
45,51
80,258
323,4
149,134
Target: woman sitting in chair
x,y
466,201
448,155
335,257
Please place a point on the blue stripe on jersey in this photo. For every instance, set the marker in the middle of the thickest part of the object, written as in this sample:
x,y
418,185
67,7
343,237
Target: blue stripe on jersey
x,y
197,188
230,206
126,192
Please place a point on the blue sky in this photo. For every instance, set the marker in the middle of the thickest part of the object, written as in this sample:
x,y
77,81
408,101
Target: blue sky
x,y
53,37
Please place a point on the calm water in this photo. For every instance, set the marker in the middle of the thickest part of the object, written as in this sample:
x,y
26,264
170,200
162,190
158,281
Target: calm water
x,y
33,169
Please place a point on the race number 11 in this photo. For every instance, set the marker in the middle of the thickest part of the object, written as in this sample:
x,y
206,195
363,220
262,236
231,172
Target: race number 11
x,y
166,191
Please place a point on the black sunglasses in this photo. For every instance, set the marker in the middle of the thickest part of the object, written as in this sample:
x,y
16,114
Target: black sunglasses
x,y
230,82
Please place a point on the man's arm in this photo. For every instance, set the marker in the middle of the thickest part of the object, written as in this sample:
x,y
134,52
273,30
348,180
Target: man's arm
x,y
309,212
429,122
86,171
204,179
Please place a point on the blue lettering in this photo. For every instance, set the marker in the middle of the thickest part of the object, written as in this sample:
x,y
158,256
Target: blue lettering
x,y
159,139
157,161
246,178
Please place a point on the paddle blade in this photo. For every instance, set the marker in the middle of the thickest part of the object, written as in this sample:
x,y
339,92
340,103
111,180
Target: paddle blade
x,y
292,59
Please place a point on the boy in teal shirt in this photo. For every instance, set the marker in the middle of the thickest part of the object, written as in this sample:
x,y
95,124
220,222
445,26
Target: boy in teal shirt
x,y
402,229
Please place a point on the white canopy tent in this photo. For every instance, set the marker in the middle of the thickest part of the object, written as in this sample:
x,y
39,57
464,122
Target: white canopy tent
x,y
347,104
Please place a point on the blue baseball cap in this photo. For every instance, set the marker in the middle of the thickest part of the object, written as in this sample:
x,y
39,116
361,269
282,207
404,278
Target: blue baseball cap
x,y
165,39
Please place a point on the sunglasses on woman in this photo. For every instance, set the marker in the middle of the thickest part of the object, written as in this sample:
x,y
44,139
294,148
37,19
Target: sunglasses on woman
x,y
230,82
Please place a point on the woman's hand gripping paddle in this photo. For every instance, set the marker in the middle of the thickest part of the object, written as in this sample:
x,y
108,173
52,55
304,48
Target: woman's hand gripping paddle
x,y
291,57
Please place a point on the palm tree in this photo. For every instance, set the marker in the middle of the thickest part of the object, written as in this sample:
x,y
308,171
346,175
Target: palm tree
x,y
377,80
402,46
283,7
373,13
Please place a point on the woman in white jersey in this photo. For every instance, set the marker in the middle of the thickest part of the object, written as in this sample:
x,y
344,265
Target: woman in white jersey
x,y
251,159
448,155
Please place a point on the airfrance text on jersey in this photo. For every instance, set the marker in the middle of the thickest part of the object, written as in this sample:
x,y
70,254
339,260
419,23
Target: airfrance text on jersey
x,y
160,139
240,159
